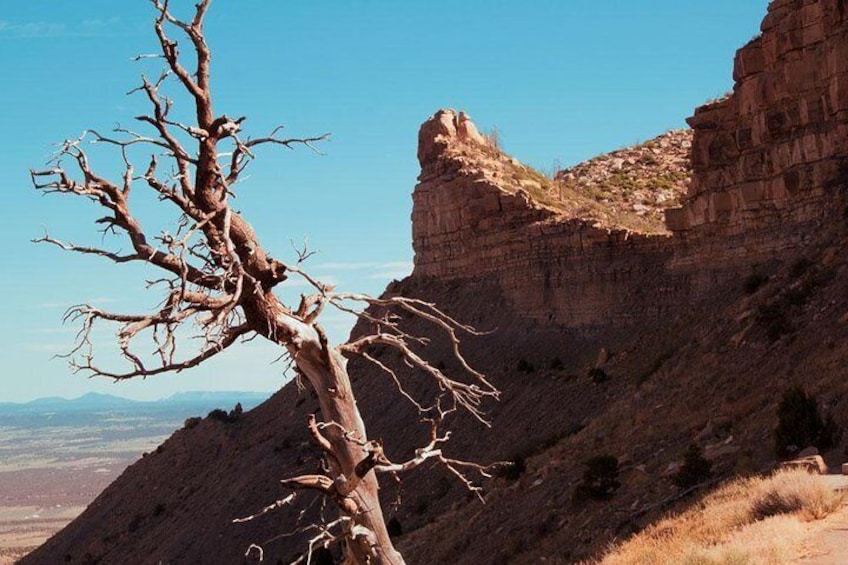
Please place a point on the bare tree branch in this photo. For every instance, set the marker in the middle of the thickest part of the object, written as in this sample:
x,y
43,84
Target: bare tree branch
x,y
116,257
171,52
270,508
219,279
242,154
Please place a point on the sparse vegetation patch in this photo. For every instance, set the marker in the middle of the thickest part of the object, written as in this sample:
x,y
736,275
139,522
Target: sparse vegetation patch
x,y
695,470
598,375
753,282
751,521
525,366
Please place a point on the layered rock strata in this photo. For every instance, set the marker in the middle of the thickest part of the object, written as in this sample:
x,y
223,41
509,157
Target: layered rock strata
x,y
767,161
471,219
769,152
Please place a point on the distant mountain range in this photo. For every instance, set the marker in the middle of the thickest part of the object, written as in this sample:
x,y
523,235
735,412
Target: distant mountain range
x,y
98,401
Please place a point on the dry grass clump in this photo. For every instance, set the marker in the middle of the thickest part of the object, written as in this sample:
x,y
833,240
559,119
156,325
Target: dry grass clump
x,y
748,521
767,542
794,492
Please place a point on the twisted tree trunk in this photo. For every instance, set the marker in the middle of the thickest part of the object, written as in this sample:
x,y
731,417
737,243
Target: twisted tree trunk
x,y
219,278
368,541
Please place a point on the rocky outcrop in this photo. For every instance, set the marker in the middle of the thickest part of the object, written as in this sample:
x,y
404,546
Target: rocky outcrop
x,y
477,213
767,163
769,152
645,179
812,464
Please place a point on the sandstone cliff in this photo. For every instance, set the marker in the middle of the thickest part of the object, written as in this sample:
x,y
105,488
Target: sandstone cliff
x,y
767,163
768,158
478,213
770,151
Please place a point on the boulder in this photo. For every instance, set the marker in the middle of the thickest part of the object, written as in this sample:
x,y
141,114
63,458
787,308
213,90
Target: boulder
x,y
467,131
434,135
672,468
812,464
808,452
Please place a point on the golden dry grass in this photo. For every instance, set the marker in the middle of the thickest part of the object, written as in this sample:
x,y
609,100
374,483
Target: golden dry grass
x,y
791,492
748,521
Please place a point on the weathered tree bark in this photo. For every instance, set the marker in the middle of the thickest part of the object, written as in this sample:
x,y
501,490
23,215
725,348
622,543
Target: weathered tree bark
x,y
219,277
369,540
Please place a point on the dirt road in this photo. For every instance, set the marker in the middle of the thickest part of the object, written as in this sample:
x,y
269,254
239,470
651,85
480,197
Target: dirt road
x,y
829,545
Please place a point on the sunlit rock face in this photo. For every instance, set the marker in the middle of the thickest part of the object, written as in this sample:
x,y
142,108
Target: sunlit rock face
x,y
478,213
773,149
767,165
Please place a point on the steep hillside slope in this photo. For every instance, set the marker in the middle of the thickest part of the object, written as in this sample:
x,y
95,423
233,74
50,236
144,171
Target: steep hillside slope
x,y
712,376
607,340
175,505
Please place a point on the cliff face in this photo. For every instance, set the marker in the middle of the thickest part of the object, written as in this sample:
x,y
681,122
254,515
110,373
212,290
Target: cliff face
x,y
770,151
477,213
765,160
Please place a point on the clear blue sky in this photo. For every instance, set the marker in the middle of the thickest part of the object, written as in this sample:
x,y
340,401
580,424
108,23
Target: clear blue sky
x,y
561,79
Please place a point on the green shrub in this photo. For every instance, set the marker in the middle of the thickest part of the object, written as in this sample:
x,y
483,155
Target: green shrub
x,y
228,418
774,320
800,267
598,375
600,479
219,415
135,523
525,366
798,296
696,468
421,505
512,469
394,528
800,424
753,282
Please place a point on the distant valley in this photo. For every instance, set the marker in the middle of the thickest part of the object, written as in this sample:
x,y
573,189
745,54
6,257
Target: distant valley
x,y
58,454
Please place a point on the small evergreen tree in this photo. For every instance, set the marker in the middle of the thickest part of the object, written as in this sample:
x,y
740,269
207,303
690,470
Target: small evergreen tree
x,y
800,424
600,479
696,468
598,375
394,528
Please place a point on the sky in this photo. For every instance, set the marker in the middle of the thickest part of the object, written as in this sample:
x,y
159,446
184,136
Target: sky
x,y
561,80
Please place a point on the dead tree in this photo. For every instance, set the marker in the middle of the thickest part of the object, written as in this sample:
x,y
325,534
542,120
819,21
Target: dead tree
x,y
218,278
